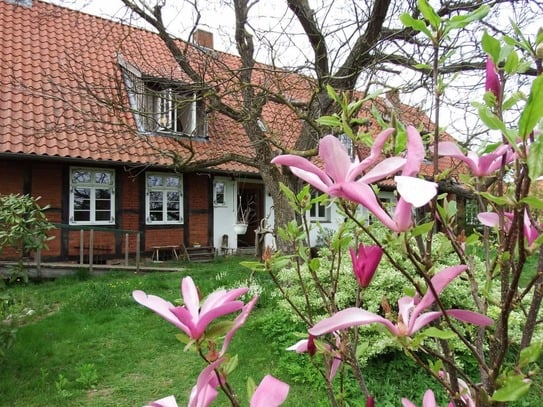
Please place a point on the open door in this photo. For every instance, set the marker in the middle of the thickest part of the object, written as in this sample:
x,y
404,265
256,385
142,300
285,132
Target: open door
x,y
251,196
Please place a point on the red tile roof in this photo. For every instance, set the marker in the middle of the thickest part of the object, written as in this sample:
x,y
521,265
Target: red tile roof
x,y
54,58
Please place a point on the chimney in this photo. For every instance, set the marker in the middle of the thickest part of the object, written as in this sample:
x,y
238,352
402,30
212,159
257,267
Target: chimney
x,y
203,38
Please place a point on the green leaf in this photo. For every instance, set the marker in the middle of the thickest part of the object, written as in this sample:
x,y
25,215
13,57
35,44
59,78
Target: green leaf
x,y
417,25
429,14
219,329
530,354
533,110
514,389
533,202
512,100
500,200
251,387
422,229
434,332
457,22
489,118
230,365
511,63
491,46
535,159
329,121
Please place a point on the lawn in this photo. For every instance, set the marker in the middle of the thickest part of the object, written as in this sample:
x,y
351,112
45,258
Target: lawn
x,y
88,343
83,341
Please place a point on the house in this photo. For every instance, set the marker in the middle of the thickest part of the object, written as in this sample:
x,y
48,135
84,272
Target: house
x,y
94,115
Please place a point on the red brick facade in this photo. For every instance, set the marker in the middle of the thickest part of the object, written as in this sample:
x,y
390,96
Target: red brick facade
x,y
50,181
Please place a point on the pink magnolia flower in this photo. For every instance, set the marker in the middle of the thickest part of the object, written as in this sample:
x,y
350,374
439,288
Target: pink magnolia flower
x,y
428,400
192,318
338,168
410,316
492,219
271,392
370,402
492,80
365,263
205,391
480,166
414,192
465,394
169,401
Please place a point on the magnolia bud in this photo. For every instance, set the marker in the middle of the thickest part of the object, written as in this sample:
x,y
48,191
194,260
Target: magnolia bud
x,y
539,51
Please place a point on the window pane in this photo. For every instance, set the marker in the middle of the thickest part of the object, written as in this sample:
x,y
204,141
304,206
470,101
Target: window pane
x,y
82,216
82,198
154,180
219,193
172,181
104,178
103,215
80,176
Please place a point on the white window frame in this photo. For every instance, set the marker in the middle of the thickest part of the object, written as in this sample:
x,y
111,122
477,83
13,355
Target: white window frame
x,y
93,185
216,195
317,208
162,191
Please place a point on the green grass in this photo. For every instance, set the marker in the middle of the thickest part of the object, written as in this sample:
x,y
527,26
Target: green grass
x,y
89,344
85,342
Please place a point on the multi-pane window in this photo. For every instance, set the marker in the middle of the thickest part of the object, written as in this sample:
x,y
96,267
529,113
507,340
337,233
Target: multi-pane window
x,y
320,210
164,199
471,211
219,198
165,107
92,196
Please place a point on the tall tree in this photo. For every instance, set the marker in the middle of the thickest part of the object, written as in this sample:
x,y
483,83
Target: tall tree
x,y
347,45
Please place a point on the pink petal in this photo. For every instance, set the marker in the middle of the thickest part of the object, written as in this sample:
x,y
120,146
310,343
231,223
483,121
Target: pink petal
x,y
448,148
271,392
377,148
429,399
336,363
169,401
161,307
336,160
238,323
419,321
363,194
347,318
415,152
492,80
491,219
403,218
206,318
205,391
220,297
439,282
305,170
416,191
300,346
191,298
382,170
407,403
470,317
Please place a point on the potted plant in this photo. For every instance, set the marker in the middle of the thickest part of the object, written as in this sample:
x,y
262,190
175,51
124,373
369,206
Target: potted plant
x,y
240,227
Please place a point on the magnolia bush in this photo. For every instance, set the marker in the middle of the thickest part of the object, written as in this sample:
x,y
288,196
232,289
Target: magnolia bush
x,y
447,300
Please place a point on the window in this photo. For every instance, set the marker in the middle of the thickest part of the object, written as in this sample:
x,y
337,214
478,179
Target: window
x,y
219,192
348,144
471,211
164,199
164,107
92,196
320,210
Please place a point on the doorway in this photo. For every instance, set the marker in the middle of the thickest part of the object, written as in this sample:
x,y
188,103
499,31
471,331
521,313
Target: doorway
x,y
251,196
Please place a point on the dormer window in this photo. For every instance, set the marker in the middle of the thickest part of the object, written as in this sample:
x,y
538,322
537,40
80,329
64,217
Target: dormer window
x,y
162,106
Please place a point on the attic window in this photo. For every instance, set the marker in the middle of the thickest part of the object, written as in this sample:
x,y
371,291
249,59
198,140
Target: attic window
x,y
164,107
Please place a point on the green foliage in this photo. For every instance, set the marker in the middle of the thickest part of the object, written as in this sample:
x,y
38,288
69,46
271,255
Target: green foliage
x,y
23,224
